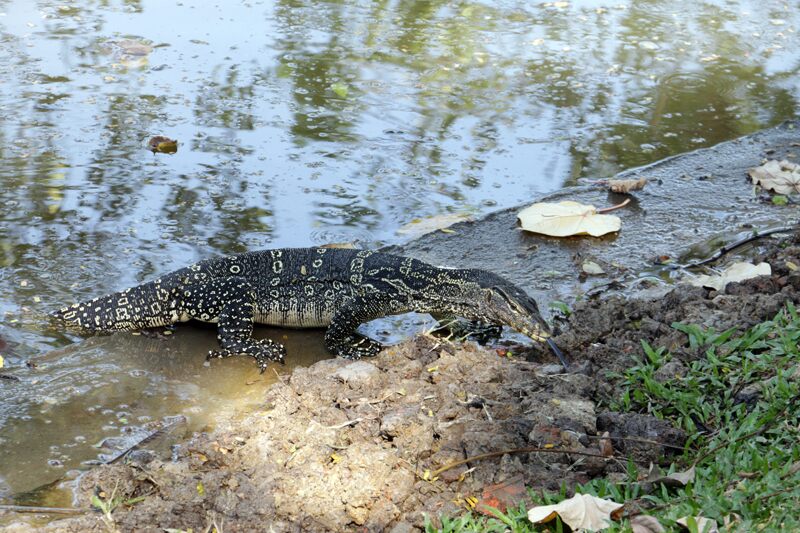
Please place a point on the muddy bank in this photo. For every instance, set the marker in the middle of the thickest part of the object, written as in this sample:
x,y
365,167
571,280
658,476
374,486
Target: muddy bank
x,y
692,204
354,446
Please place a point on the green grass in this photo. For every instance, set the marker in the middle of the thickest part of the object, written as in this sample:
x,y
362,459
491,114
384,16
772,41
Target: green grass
x,y
747,453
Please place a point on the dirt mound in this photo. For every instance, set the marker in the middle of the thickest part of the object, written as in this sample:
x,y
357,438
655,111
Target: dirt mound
x,y
344,445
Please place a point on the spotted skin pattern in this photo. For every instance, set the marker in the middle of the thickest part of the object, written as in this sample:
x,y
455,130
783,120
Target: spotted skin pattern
x,y
306,288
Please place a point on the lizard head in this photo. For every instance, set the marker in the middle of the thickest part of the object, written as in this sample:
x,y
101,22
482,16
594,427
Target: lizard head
x,y
502,302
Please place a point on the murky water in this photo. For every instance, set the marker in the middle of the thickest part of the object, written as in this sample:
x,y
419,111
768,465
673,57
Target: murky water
x,y
305,122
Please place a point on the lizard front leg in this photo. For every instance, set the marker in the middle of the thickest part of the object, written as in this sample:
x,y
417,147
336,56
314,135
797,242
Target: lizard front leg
x,y
341,337
231,302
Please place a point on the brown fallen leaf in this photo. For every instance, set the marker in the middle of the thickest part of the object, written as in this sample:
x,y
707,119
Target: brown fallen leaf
x,y
582,511
606,448
626,186
646,524
502,496
674,480
162,145
779,177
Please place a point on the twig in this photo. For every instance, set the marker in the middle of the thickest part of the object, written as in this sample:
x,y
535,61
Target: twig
x,y
342,425
43,510
514,450
738,244
379,400
634,439
280,378
613,207
149,438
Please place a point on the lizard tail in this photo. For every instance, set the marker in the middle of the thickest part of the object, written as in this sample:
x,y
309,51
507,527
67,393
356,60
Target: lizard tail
x,y
132,309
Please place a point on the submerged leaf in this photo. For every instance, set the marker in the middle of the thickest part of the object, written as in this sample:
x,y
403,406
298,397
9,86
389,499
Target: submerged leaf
x,y
582,511
340,89
781,178
567,218
421,226
163,145
735,272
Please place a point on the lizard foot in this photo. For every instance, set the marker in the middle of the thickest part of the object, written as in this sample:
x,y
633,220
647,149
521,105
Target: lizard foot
x,y
262,350
357,347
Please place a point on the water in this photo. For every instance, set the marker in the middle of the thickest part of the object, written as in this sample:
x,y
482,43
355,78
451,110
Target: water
x,y
305,122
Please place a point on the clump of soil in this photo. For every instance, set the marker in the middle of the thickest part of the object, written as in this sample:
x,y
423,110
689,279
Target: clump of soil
x,y
355,445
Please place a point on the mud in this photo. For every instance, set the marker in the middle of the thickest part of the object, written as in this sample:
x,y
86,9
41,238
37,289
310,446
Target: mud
x,y
354,446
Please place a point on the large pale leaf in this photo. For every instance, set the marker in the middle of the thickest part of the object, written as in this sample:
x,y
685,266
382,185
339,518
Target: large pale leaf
x,y
581,512
782,178
735,272
567,218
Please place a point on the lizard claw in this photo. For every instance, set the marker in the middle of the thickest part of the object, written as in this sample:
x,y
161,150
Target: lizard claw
x,y
263,351
358,347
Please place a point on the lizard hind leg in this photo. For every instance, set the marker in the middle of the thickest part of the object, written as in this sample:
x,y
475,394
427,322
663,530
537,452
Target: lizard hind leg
x,y
342,338
231,302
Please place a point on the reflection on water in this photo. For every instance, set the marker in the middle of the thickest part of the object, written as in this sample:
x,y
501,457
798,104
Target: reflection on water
x,y
301,122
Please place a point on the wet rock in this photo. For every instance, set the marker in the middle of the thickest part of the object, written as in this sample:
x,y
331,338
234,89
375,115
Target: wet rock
x,y
141,457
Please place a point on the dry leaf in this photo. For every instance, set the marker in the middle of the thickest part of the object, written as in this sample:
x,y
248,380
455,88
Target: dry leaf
x,y
704,525
626,186
421,226
567,218
735,272
674,480
646,524
592,268
582,511
134,48
502,496
782,178
606,448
